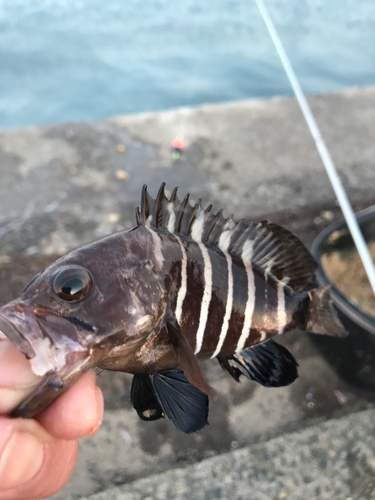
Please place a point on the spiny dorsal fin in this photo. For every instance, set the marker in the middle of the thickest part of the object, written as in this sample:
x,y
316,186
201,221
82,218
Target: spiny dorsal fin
x,y
180,217
268,246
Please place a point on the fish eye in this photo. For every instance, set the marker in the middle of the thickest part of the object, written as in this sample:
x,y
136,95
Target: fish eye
x,y
73,283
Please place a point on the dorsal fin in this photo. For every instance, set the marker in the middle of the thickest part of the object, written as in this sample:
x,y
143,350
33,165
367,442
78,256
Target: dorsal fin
x,y
270,247
181,217
275,250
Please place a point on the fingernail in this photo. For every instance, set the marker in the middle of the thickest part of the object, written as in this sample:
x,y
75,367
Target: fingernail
x,y
17,379
21,460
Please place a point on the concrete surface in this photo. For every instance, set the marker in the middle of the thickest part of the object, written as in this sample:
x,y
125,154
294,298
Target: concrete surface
x,y
58,183
331,461
63,185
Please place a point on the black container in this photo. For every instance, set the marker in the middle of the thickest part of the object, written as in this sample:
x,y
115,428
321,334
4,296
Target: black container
x,y
353,357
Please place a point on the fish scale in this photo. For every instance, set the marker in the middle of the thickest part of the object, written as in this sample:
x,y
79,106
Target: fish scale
x,y
184,284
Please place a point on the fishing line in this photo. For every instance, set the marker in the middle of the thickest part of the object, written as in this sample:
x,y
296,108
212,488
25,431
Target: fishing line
x,y
322,148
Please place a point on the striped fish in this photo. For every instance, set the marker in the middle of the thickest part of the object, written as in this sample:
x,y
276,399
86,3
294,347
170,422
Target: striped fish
x,y
184,284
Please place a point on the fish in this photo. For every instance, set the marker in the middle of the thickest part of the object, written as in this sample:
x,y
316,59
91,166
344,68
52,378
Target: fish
x,y
184,285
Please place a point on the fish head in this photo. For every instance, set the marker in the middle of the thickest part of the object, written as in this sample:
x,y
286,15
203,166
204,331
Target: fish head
x,y
81,308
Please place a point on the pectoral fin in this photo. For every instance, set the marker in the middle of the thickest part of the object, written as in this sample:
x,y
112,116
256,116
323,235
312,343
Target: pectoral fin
x,y
143,398
187,359
181,402
270,364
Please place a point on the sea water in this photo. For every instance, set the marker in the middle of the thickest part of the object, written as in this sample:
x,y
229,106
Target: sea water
x,y
64,60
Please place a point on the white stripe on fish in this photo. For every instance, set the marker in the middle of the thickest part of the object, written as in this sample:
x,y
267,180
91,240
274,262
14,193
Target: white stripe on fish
x,y
263,336
172,217
281,312
183,286
157,247
197,228
223,244
250,303
206,300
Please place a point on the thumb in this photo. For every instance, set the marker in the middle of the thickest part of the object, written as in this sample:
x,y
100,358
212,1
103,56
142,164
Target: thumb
x,y
33,464
17,379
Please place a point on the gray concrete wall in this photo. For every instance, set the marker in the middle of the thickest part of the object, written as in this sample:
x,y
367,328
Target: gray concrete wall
x,y
331,461
63,185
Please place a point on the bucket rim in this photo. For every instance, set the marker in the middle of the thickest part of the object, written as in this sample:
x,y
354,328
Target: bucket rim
x,y
339,299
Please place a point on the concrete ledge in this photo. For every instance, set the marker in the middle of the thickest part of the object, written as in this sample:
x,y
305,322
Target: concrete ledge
x,y
59,184
335,460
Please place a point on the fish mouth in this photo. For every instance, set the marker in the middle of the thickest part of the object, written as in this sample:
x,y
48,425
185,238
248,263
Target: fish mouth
x,y
46,339
54,350
16,337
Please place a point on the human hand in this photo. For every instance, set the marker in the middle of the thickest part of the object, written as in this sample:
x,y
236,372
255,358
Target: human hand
x,y
37,456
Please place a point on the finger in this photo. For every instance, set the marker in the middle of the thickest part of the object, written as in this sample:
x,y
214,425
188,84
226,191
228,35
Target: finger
x,y
76,413
33,464
17,379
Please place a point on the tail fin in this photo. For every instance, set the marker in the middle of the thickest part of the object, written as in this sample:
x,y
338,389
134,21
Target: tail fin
x,y
321,317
